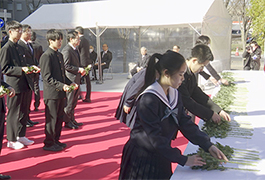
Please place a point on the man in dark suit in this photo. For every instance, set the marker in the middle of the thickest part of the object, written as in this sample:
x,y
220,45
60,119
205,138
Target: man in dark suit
x,y
2,115
38,51
142,63
4,38
15,67
106,57
93,57
194,99
85,60
74,72
55,84
30,60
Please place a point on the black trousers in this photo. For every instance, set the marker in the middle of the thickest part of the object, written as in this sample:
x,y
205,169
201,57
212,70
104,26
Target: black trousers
x,y
17,116
2,123
95,67
88,86
54,115
36,91
71,103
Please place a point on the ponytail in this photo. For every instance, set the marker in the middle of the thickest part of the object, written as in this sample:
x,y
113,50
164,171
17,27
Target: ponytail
x,y
150,73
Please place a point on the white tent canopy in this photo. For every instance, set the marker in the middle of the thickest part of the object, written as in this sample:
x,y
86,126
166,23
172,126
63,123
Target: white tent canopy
x,y
210,15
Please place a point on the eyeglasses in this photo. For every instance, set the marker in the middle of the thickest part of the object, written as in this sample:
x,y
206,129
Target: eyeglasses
x,y
17,30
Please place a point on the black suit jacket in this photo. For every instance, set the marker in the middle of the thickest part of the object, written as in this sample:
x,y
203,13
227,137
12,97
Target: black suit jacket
x,y
83,48
53,74
144,61
4,41
93,56
38,51
30,59
2,100
71,63
106,58
12,59
195,100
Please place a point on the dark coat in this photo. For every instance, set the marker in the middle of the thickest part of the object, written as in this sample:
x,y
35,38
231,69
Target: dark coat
x,y
93,56
4,41
38,51
128,98
143,61
2,103
252,60
71,63
12,57
212,71
195,100
83,48
106,58
53,74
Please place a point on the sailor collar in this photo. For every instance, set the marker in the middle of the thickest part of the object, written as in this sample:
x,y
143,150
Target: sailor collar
x,y
157,90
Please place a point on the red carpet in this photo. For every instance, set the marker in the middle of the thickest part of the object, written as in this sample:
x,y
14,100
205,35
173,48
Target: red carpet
x,y
93,151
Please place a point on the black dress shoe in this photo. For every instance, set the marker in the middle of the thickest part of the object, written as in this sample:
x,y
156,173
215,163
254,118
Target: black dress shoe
x,y
32,122
77,123
29,124
54,148
61,144
80,97
87,100
5,176
71,125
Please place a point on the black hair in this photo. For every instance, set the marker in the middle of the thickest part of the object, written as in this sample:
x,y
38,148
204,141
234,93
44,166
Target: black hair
x,y
53,34
13,25
25,27
71,35
4,32
255,43
79,29
172,61
33,36
202,53
203,40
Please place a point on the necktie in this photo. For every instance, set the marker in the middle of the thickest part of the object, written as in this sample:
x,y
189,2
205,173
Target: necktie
x,y
31,50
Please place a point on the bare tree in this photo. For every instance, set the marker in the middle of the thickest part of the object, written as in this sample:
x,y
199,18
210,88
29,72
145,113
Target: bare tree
x,y
32,5
124,34
238,11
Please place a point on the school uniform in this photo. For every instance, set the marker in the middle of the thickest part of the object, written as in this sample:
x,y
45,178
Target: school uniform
x,y
12,58
53,75
148,153
2,112
195,100
128,99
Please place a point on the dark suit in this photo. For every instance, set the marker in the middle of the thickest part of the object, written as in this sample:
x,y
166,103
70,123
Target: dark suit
x,y
12,58
2,113
53,75
93,56
71,64
30,59
106,58
141,63
38,51
85,60
4,41
195,100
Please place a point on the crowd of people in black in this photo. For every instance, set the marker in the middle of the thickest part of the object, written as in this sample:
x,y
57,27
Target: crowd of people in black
x,y
22,61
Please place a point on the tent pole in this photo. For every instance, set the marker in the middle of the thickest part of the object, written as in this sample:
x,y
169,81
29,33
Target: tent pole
x,y
99,55
140,37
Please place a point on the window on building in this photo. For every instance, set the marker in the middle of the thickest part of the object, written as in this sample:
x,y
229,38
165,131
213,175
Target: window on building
x,y
10,6
19,6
